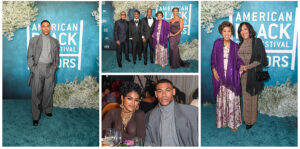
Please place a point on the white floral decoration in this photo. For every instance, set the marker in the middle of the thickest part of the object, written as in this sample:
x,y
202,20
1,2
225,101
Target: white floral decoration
x,y
17,14
213,10
279,100
142,6
95,13
189,50
77,95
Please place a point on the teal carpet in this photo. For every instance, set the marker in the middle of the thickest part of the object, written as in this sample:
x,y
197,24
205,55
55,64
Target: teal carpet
x,y
267,131
67,127
110,64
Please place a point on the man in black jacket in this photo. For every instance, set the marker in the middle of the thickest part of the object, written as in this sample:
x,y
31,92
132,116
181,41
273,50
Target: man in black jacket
x,y
147,29
121,37
135,36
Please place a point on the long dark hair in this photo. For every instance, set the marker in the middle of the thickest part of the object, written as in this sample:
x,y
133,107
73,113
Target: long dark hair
x,y
252,32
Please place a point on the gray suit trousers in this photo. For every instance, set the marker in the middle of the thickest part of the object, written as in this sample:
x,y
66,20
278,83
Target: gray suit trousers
x,y
43,83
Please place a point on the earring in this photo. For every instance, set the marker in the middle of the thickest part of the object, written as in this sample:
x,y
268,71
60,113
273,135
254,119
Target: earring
x,y
137,108
122,106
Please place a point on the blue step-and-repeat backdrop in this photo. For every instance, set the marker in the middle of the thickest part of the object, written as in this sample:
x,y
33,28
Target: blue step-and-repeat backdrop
x,y
274,23
77,31
188,10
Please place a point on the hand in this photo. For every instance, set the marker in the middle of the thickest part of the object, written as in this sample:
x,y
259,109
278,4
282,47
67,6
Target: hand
x,y
118,42
171,35
216,76
130,38
152,36
244,67
144,40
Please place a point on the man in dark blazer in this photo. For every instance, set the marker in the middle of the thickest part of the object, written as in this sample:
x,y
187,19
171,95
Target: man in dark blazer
x,y
121,38
135,36
147,29
171,123
42,60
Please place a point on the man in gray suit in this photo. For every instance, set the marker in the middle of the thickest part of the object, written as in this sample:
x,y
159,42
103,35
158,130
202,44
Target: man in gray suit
x,y
42,60
171,124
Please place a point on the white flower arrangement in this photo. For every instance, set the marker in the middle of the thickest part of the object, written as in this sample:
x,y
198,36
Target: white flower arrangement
x,y
125,6
279,100
17,14
189,50
95,13
213,10
77,95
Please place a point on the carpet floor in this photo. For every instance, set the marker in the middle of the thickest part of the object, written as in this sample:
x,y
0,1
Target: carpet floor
x,y
267,131
109,64
67,127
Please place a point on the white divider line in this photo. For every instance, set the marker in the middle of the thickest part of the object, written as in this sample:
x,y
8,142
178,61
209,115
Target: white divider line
x,y
80,44
295,40
189,25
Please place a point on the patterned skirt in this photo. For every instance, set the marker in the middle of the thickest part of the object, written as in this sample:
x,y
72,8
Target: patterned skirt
x,y
161,56
228,109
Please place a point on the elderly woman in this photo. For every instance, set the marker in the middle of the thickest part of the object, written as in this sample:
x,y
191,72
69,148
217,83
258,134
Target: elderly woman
x,y
225,65
128,118
160,40
252,52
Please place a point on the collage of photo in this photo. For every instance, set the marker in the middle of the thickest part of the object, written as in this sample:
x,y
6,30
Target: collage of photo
x,y
149,73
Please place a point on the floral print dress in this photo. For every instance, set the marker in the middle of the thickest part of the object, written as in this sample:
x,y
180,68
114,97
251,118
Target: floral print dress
x,y
161,55
228,104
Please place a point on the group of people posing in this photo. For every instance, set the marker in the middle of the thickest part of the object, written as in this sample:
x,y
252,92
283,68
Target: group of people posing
x,y
168,124
151,32
235,67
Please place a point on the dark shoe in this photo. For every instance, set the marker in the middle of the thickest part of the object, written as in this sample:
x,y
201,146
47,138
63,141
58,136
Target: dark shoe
x,y
134,62
145,63
49,114
35,122
128,60
248,126
140,59
120,65
152,62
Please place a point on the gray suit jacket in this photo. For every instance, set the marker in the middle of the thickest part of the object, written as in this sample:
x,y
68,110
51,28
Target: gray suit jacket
x,y
34,53
186,122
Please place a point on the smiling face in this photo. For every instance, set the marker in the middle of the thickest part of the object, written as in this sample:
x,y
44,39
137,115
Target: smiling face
x,y
136,15
149,12
45,27
226,33
245,32
164,93
123,15
175,12
159,16
131,101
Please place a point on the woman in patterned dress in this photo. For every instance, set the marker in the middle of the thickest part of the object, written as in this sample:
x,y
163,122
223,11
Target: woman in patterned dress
x,y
160,40
226,65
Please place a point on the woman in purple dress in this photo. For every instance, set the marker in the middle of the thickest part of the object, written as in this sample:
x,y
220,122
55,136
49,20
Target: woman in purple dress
x,y
176,26
226,65
160,40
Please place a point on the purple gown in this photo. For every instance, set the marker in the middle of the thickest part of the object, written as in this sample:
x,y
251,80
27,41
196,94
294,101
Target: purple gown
x,y
175,60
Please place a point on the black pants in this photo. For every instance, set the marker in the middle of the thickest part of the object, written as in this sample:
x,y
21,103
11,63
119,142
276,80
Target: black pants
x,y
149,41
123,45
136,48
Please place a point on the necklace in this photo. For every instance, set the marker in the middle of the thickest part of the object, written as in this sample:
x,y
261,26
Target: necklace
x,y
126,116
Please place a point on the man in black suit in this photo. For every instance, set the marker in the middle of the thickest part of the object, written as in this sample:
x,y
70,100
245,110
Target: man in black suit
x,y
147,29
135,36
121,37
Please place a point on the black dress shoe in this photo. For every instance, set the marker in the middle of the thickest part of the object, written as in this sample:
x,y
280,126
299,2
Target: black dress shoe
x,y
248,126
152,62
145,63
35,122
140,59
128,60
49,114
134,62
120,65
